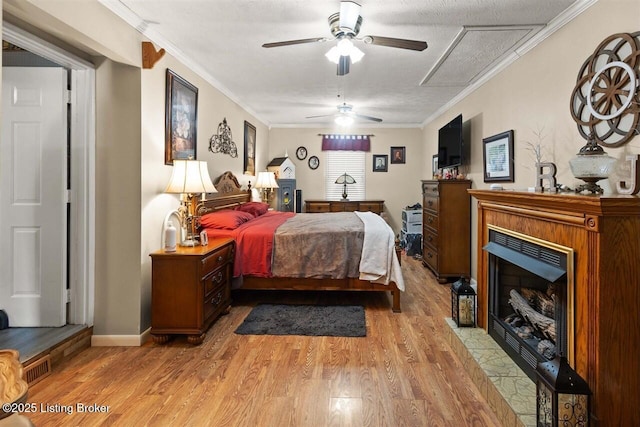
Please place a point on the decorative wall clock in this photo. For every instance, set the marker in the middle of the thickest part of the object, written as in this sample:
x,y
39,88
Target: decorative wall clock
x,y
301,153
605,103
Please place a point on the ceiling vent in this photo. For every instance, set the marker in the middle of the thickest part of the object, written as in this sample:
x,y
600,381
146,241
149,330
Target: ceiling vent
x,y
477,48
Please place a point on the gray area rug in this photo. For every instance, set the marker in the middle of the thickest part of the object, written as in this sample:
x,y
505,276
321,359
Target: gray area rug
x,y
315,320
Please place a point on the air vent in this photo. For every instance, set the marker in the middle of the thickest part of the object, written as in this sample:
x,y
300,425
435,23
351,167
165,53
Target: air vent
x,y
550,257
529,357
513,342
37,370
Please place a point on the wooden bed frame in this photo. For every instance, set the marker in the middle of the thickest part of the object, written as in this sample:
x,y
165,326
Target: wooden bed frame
x,y
231,195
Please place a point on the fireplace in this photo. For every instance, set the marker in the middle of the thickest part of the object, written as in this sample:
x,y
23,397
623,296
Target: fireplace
x,y
600,236
528,286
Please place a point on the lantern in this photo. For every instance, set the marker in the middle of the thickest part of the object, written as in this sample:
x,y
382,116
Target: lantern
x,y
463,303
563,396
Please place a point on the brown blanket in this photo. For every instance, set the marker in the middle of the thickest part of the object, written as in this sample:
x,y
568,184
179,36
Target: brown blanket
x,y
318,245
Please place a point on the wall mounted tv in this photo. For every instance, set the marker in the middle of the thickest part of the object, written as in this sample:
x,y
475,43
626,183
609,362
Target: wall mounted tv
x,y
453,143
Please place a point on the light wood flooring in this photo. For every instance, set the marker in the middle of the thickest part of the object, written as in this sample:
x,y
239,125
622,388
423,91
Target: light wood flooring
x,y
403,373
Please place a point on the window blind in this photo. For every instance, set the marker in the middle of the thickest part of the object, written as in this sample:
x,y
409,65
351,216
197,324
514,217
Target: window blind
x,y
336,164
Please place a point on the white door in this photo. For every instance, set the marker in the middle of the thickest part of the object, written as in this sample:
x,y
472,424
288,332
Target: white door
x,y
33,176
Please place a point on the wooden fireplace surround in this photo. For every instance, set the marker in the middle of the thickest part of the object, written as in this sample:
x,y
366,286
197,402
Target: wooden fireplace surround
x,y
604,232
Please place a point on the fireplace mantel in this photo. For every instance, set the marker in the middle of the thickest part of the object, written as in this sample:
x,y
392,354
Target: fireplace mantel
x,y
604,232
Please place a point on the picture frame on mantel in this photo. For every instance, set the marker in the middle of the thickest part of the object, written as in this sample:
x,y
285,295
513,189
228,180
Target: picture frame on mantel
x,y
249,149
497,153
181,119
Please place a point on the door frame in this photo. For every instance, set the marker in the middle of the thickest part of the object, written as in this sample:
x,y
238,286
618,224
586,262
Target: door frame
x,y
82,196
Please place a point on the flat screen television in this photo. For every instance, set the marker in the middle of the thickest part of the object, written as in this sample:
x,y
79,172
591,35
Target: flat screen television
x,y
451,144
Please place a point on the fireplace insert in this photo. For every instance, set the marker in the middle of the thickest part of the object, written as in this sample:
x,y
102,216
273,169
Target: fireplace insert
x,y
527,302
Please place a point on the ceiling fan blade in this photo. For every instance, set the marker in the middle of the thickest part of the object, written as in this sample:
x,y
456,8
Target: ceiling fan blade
x,y
317,117
349,14
343,65
373,119
400,43
292,42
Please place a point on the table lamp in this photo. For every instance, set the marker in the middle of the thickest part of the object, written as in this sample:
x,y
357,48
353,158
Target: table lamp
x,y
345,179
266,182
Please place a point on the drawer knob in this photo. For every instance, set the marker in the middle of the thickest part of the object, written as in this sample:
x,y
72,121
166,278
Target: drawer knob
x,y
430,202
429,255
216,299
429,238
430,220
218,277
220,258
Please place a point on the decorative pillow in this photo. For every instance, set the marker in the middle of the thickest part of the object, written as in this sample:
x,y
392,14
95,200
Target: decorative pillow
x,y
227,219
254,208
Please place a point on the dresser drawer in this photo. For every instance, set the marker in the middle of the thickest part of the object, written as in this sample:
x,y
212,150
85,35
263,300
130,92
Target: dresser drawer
x,y
217,259
431,203
430,237
430,220
370,207
430,189
344,206
318,207
430,257
214,302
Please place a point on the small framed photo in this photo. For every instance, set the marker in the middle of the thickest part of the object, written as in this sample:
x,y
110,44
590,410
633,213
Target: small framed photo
x,y
181,119
398,154
434,165
380,162
497,154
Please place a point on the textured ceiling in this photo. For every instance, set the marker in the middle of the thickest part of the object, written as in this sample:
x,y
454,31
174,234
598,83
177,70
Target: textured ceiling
x,y
222,41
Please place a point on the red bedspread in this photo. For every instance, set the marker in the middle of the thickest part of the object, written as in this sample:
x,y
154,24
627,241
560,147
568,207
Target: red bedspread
x,y
254,243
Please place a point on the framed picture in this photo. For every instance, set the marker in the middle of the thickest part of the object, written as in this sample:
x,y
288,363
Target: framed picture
x,y
181,119
380,162
398,154
434,165
249,149
498,157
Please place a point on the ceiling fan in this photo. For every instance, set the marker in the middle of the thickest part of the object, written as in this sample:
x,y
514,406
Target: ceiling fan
x,y
345,26
346,115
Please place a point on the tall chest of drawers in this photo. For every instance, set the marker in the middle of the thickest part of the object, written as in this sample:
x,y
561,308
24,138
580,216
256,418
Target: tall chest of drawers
x,y
446,228
190,289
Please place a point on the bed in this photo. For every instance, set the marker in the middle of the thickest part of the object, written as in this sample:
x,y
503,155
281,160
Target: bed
x,y
341,251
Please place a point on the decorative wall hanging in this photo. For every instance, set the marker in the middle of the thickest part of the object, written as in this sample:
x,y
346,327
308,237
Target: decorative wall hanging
x,y
606,102
314,162
498,157
346,142
249,149
380,162
181,118
223,141
398,154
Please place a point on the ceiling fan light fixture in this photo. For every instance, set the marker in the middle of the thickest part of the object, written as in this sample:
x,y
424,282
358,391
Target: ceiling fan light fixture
x,y
344,47
344,120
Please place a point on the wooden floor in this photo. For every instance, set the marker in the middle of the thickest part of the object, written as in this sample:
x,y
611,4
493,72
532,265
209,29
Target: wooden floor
x,y
402,373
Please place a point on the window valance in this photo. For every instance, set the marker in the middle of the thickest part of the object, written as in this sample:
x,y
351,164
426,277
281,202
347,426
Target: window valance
x,y
346,142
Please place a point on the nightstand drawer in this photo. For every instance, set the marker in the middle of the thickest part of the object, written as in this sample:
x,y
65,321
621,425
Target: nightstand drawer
x,y
215,279
217,259
215,301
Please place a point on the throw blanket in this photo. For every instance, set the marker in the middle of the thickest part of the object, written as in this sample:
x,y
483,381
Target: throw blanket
x,y
379,262
318,245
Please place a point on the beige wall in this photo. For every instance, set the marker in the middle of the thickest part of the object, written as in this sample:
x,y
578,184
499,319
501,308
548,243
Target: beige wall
x,y
532,97
399,187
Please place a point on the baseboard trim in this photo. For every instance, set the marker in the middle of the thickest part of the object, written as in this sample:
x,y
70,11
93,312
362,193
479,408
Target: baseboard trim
x,y
120,340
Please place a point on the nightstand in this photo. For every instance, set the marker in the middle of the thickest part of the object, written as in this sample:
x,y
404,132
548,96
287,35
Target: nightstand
x,y
190,289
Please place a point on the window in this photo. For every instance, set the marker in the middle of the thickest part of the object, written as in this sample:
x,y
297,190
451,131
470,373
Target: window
x,y
336,164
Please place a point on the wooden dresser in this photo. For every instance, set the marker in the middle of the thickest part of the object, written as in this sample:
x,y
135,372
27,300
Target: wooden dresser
x,y
190,289
314,206
446,228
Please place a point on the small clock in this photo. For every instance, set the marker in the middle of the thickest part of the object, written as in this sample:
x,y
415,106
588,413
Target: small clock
x,y
301,153
314,162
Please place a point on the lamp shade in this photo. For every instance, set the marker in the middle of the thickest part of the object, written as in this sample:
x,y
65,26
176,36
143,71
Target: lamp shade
x,y
345,178
266,180
190,177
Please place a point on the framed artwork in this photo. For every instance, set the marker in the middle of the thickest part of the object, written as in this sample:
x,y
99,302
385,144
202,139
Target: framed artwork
x,y
398,154
498,157
314,162
249,148
434,165
181,119
380,162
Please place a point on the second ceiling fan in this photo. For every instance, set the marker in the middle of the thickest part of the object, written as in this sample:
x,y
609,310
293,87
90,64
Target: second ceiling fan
x,y
345,26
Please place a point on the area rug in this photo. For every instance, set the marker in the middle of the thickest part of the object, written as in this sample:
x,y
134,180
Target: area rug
x,y
315,320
